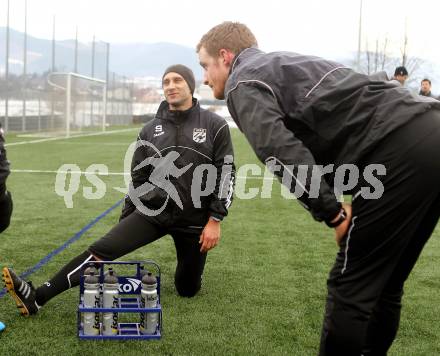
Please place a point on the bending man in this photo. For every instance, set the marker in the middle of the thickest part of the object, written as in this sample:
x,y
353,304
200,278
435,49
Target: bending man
x,y
301,111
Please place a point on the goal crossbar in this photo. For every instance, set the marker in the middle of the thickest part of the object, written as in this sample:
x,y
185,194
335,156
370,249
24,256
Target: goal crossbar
x,y
68,90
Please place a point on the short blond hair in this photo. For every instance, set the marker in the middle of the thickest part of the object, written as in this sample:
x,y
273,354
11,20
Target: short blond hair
x,y
233,36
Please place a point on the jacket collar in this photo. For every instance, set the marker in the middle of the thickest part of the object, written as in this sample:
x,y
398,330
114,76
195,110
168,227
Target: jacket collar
x,y
164,111
238,60
242,56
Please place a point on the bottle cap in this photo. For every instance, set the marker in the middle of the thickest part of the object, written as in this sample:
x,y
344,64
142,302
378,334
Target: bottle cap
x,y
149,279
110,277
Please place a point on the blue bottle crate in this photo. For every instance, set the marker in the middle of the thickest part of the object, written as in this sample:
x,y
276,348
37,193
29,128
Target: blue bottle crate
x,y
129,301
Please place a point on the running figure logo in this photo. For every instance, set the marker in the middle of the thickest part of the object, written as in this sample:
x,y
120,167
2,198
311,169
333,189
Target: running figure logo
x,y
163,169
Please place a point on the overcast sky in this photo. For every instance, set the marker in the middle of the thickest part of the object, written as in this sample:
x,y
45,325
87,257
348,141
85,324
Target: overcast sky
x,y
322,27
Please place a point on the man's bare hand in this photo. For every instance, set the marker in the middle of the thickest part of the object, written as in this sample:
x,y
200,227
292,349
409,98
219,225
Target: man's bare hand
x,y
342,229
210,236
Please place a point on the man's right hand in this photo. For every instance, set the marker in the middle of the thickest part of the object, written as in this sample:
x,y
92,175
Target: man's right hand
x,y
342,229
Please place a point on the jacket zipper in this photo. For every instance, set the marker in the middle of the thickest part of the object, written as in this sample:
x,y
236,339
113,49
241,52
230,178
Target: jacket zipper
x,y
173,211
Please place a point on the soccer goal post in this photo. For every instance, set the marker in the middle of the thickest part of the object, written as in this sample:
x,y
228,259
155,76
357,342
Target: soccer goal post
x,y
85,103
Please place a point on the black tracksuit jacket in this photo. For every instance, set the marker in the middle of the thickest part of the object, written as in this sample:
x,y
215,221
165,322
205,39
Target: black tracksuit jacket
x,y
198,137
5,196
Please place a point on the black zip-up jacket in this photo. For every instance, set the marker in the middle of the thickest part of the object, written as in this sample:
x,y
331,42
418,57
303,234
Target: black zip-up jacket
x,y
303,110
185,143
425,94
5,196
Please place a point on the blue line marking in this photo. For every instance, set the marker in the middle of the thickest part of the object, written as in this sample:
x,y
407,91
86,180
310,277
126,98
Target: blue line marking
x,y
64,246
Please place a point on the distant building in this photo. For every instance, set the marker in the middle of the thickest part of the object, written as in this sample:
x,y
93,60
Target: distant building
x,y
204,92
147,95
148,82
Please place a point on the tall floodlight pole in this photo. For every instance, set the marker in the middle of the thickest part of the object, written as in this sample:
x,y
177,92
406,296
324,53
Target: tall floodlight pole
x,y
75,70
112,108
358,61
107,63
93,75
23,120
53,44
75,58
7,70
405,44
93,57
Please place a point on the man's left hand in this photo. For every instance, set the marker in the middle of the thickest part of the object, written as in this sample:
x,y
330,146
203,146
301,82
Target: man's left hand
x,y
210,236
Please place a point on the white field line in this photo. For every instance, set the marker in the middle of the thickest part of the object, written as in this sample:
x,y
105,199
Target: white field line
x,y
65,172
111,173
94,143
67,138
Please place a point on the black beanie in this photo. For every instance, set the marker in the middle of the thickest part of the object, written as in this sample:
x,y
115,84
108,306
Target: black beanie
x,y
185,72
401,71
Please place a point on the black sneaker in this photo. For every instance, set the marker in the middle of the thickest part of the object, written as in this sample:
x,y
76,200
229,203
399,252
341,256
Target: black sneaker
x,y
23,292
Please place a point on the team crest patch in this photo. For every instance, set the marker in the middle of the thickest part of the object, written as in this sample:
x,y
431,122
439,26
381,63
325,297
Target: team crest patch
x,y
199,135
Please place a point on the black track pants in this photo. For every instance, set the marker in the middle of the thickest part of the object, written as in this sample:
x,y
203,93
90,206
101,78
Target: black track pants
x,y
385,239
135,231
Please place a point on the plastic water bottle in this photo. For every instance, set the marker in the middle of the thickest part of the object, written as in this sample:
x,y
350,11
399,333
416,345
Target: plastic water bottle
x,y
110,300
148,324
91,300
90,269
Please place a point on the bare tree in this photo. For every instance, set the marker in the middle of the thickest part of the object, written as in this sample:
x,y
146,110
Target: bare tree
x,y
376,56
412,64
404,50
379,59
368,55
384,53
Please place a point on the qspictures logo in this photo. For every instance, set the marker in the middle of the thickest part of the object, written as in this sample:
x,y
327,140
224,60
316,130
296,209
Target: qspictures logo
x,y
159,173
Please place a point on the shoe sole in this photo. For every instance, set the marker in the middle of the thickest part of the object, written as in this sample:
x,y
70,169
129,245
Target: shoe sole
x,y
7,279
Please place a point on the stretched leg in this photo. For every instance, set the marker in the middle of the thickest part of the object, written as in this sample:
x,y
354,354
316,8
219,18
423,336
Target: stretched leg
x,y
128,235
190,264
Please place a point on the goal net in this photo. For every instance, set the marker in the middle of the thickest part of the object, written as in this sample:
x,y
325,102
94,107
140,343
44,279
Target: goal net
x,y
78,104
